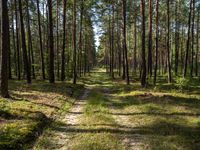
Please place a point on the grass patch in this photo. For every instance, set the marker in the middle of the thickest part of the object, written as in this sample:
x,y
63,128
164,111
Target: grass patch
x,y
98,141
31,108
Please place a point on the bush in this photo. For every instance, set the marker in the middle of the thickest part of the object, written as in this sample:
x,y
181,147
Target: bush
x,y
181,83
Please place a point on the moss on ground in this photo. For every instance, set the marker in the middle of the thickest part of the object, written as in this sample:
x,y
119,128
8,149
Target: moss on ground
x,y
31,108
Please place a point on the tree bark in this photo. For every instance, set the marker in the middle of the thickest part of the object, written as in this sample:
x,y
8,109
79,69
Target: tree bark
x,y
74,43
5,48
156,59
64,41
192,48
150,40
143,77
124,43
51,44
168,43
40,37
27,69
197,49
188,41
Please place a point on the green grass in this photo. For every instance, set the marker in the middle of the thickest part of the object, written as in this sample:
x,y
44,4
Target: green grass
x,y
166,116
97,120
97,141
30,108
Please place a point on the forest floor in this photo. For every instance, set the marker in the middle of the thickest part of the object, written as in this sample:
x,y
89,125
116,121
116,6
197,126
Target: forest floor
x,y
109,115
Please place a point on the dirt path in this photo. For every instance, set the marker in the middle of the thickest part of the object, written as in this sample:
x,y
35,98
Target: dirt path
x,y
130,141
72,117
72,120
58,137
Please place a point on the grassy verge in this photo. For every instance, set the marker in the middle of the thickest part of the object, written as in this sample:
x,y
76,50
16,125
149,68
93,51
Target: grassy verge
x,y
30,109
168,118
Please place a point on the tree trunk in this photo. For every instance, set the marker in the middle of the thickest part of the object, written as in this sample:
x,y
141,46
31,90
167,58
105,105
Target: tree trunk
x,y
57,39
17,42
81,38
124,43
27,68
64,41
197,51
51,44
156,59
112,43
150,40
40,37
176,39
143,77
74,43
30,45
192,53
5,48
188,41
168,43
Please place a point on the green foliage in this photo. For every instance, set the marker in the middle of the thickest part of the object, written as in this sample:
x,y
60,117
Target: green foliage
x,y
181,83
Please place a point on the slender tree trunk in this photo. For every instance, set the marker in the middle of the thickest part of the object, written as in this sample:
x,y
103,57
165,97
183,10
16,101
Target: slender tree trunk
x,y
27,68
17,42
41,47
192,53
156,59
30,44
135,41
150,39
143,77
57,40
81,38
5,48
118,45
124,42
188,41
51,44
64,41
112,43
74,43
197,50
14,44
176,39
168,43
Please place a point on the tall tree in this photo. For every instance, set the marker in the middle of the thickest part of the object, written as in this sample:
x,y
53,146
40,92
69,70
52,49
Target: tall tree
x,y
27,68
5,48
17,41
150,39
51,44
30,44
188,41
156,59
192,46
176,38
64,42
124,42
40,37
168,42
112,40
74,43
197,49
143,77
81,37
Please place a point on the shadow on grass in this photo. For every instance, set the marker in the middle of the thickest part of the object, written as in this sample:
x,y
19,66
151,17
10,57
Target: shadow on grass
x,y
190,103
189,135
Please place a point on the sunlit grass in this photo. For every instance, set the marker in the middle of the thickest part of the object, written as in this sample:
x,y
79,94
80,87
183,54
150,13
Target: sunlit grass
x,y
31,108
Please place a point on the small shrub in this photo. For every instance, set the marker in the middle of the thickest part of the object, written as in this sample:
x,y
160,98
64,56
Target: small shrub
x,y
182,83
